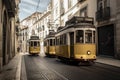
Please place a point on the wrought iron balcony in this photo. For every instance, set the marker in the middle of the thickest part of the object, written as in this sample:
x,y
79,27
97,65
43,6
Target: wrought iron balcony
x,y
103,14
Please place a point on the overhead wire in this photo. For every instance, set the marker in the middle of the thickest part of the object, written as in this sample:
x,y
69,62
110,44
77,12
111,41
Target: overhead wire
x,y
37,5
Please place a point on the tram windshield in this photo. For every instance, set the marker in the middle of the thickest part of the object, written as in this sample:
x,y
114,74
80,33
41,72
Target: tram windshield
x,y
79,36
34,43
52,42
85,36
88,36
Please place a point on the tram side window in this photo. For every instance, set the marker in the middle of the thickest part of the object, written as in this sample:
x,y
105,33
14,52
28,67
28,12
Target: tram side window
x,y
57,40
64,39
79,36
48,43
93,36
53,42
88,36
60,40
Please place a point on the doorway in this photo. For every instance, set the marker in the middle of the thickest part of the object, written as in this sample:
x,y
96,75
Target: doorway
x,y
106,40
4,39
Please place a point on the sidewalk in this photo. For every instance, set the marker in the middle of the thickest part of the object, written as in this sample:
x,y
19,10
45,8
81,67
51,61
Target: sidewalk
x,y
11,71
108,60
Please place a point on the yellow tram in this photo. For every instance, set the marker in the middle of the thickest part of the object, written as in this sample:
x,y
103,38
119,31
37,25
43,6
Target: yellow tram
x,y
49,44
34,45
76,41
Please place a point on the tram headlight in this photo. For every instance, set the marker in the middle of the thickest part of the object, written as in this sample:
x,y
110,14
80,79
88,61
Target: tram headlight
x,y
88,52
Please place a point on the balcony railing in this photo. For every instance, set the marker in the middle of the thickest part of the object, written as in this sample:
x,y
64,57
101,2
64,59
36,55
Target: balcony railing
x,y
103,14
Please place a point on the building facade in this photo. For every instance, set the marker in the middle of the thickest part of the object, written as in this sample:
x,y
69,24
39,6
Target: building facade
x,y
8,29
63,10
108,30
27,29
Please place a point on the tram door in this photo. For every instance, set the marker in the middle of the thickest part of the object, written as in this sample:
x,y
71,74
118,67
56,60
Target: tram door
x,y
71,44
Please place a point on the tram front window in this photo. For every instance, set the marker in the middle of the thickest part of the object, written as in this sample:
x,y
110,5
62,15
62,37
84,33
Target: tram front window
x,y
31,43
35,43
88,36
50,42
38,43
79,36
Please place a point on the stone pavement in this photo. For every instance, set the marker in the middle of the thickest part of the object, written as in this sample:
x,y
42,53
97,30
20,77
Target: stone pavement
x,y
12,70
108,60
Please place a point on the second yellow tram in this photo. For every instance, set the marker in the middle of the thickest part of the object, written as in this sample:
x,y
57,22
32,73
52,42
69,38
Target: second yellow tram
x,y
49,44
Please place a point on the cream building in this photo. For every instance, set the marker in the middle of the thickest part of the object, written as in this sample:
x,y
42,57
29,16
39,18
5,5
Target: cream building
x,y
9,23
63,10
36,24
27,29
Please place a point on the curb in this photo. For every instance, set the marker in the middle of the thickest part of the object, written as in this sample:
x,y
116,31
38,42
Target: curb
x,y
18,71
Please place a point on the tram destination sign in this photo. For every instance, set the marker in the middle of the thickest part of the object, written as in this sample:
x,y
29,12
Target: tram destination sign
x,y
76,19
34,37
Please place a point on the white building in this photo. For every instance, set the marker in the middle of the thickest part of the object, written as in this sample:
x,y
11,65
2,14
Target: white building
x,y
63,10
27,30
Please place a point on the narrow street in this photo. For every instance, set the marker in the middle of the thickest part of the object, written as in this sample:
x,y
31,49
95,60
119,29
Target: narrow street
x,y
44,68
72,30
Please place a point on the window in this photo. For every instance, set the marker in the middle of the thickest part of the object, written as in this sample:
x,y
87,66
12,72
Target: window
x,y
64,39
88,36
35,43
47,42
38,43
103,4
53,42
93,36
31,43
79,36
58,41
84,12
50,42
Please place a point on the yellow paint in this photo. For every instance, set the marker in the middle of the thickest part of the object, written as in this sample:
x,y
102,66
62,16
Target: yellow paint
x,y
62,51
51,49
34,49
80,50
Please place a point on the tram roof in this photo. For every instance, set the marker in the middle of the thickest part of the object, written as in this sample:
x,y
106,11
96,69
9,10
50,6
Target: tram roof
x,y
77,19
78,22
51,34
34,37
